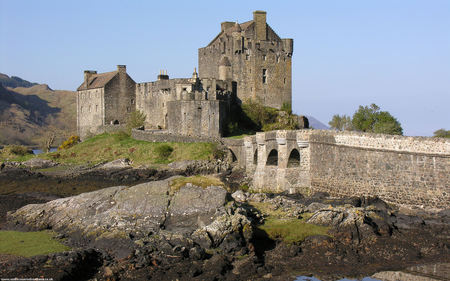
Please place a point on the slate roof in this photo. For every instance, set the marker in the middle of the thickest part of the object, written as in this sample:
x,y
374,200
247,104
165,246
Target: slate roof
x,y
98,80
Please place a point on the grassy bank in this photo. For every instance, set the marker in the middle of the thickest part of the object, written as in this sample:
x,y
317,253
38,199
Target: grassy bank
x,y
28,244
108,147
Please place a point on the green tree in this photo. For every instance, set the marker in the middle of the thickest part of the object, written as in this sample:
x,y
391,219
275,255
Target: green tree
x,y
442,133
136,119
371,119
341,123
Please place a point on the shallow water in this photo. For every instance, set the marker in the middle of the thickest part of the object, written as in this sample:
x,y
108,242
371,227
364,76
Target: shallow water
x,y
39,151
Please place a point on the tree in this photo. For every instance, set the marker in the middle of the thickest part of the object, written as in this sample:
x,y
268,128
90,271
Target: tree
x,y
442,133
136,119
341,123
371,119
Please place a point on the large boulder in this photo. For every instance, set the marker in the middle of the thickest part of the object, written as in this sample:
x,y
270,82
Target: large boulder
x,y
137,211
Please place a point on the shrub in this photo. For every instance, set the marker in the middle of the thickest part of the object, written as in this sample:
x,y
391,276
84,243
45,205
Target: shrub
x,y
136,119
164,151
218,153
73,140
19,150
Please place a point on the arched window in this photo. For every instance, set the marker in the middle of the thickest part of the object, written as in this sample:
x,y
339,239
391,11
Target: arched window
x,y
294,159
272,159
255,157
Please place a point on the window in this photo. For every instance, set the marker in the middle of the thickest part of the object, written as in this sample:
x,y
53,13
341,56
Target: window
x,y
264,57
255,157
278,59
284,81
89,108
132,101
81,109
264,76
96,107
247,57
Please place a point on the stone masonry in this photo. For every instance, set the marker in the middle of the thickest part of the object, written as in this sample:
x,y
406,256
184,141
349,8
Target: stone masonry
x,y
104,99
255,57
398,169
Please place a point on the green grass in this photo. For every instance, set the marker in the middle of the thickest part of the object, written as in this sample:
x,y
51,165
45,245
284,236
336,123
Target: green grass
x,y
202,181
291,230
108,147
18,153
279,226
29,244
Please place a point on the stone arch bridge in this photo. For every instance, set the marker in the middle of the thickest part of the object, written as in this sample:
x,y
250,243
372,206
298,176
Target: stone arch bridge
x,y
398,169
279,160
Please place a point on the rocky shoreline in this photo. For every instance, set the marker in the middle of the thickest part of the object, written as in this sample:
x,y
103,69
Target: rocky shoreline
x,y
141,229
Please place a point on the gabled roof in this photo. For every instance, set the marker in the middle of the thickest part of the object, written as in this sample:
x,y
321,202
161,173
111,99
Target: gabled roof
x,y
98,80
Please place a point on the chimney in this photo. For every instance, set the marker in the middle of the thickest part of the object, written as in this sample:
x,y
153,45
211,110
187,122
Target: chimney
x,y
163,75
259,18
87,76
122,68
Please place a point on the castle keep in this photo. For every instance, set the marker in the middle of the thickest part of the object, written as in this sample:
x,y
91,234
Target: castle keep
x,y
244,61
254,56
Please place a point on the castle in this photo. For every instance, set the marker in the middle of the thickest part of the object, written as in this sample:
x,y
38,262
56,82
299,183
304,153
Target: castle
x,y
244,61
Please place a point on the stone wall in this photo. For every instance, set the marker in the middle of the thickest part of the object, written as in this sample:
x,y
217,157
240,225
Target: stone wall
x,y
398,169
197,117
402,170
90,111
120,98
152,98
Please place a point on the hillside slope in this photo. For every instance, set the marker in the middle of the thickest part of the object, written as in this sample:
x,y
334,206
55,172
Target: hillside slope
x,y
27,115
14,81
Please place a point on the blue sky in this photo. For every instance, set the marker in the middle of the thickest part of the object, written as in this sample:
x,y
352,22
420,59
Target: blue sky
x,y
346,53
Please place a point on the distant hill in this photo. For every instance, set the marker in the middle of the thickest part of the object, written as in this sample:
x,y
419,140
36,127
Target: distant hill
x,y
14,81
316,124
28,114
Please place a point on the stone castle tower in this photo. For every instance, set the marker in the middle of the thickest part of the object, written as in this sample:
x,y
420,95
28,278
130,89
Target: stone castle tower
x,y
254,56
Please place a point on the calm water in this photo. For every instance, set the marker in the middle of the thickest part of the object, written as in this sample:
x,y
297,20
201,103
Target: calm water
x,y
39,151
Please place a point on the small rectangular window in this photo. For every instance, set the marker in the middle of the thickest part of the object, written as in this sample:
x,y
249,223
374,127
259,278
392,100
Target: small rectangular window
x,y
96,107
264,57
264,76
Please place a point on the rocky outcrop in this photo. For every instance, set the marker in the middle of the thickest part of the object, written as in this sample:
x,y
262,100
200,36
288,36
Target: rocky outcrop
x,y
39,163
137,211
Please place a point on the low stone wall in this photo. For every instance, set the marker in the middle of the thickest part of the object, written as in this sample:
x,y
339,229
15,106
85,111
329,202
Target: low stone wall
x,y
164,136
402,170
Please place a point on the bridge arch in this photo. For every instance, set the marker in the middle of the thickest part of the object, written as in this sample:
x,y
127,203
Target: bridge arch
x,y
272,158
294,159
